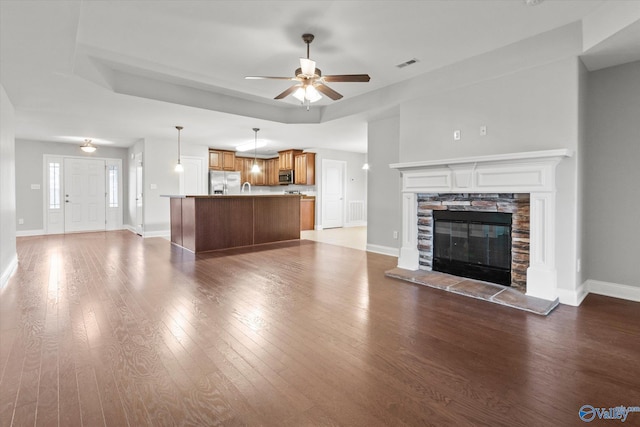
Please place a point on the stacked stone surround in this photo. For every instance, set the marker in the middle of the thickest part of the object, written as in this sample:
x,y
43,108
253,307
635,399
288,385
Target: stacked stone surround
x,y
517,204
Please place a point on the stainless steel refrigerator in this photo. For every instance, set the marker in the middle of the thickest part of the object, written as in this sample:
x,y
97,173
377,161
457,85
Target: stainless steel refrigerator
x,y
224,182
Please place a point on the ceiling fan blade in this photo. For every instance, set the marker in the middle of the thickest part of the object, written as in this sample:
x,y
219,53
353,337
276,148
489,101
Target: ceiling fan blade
x,y
328,91
268,77
307,66
287,92
348,78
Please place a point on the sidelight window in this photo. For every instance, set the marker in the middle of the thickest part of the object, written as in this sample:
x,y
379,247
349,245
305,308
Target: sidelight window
x,y
112,184
54,185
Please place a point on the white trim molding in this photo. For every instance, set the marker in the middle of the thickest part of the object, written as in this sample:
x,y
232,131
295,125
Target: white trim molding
x,y
26,233
615,290
384,250
529,172
8,272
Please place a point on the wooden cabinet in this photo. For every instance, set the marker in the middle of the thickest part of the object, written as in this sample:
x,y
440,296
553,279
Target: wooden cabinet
x,y
286,159
307,213
222,160
245,164
272,167
305,169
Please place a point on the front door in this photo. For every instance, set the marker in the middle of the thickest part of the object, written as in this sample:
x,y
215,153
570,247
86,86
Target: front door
x,y
85,195
333,172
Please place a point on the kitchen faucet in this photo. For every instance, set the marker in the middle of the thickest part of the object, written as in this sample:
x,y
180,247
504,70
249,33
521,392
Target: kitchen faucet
x,y
246,183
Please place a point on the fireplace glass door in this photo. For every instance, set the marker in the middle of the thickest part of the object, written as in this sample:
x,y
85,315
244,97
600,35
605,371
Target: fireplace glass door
x,y
473,244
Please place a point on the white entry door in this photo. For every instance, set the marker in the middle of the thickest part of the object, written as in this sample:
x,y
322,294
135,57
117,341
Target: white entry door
x,y
333,172
139,220
85,195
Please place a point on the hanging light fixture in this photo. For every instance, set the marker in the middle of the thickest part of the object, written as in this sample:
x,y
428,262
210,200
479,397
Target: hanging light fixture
x,y
255,168
88,147
179,167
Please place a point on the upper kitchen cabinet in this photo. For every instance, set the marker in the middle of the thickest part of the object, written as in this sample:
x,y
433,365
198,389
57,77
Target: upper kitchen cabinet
x,y
221,160
305,169
271,168
244,166
286,159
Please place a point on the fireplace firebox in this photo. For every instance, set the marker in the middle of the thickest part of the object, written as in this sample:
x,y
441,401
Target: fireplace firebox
x,y
472,244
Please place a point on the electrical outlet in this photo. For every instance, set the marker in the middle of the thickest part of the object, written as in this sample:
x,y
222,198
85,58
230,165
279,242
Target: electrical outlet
x,y
20,221
483,130
395,234
456,135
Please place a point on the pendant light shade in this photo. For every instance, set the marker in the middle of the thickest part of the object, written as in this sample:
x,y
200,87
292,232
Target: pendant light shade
x,y
88,147
255,168
179,167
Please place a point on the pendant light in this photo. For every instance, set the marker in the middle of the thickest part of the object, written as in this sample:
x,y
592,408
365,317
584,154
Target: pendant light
x,y
255,168
88,147
179,167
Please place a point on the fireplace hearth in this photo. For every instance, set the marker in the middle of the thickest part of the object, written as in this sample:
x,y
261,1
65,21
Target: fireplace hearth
x,y
473,244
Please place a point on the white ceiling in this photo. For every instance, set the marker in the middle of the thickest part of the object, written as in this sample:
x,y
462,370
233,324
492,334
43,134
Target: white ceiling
x,y
106,69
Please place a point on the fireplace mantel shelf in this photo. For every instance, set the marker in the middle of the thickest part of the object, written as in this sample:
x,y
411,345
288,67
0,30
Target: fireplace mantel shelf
x,y
492,158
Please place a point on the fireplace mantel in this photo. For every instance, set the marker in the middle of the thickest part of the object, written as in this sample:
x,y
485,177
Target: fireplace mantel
x,y
526,172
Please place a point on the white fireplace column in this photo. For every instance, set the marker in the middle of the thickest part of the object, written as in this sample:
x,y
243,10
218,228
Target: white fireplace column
x,y
530,172
409,254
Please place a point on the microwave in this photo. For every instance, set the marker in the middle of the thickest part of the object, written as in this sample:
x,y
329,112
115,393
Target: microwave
x,y
285,177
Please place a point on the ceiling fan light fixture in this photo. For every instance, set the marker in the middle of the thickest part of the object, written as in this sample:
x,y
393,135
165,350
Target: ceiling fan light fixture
x,y
308,67
299,94
88,147
312,94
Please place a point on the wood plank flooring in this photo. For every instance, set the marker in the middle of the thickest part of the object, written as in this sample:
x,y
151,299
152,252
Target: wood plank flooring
x,y
111,329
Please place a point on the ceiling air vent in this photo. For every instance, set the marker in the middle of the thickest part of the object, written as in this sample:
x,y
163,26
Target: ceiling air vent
x,y
407,63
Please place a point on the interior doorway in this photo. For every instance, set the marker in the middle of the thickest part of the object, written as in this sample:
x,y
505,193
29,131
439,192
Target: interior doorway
x,y
333,189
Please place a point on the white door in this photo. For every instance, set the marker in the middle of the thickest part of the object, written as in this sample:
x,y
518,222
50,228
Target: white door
x,y
139,222
333,173
84,190
192,177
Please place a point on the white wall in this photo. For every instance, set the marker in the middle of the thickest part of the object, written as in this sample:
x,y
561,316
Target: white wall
x,y
8,256
612,176
384,200
160,157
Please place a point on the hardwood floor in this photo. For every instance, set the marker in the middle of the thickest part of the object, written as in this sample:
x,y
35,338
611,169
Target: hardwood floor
x,y
112,329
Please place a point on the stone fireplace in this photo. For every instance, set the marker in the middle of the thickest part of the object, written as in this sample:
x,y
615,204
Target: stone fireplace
x,y
526,179
508,268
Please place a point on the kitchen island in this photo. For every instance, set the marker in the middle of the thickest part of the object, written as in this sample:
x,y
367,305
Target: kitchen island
x,y
207,223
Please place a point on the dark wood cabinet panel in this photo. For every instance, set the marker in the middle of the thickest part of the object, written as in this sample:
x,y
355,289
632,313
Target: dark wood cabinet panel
x,y
307,214
207,223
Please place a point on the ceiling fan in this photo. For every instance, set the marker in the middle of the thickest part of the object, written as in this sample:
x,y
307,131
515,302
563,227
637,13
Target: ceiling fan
x,y
311,83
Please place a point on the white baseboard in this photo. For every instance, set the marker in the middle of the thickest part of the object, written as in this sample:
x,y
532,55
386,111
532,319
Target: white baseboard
x,y
573,298
131,228
160,233
615,290
25,233
8,272
356,224
384,250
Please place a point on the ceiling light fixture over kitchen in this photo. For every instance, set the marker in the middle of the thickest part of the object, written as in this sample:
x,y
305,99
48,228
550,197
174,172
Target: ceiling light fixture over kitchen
x,y
179,167
88,147
255,168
